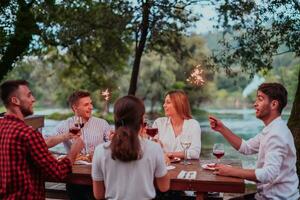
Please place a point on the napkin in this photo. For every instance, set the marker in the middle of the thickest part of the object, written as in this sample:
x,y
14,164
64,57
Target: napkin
x,y
187,174
82,162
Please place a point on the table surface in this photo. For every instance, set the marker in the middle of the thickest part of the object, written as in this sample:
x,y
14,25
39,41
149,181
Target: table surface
x,y
205,180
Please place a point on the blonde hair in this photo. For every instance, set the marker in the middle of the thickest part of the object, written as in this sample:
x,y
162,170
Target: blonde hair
x,y
181,103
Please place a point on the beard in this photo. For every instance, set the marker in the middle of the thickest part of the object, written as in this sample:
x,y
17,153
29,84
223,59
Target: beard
x,y
26,111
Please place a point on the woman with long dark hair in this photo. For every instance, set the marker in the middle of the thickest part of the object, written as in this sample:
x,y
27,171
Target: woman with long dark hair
x,y
126,167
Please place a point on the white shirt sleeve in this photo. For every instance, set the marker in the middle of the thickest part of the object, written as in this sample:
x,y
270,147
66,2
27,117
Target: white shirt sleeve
x,y
61,128
195,149
250,146
275,152
97,174
161,169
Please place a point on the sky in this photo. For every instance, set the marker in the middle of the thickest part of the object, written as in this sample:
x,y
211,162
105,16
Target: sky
x,y
204,25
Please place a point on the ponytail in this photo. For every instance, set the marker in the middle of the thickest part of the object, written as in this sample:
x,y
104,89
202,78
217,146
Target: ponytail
x,y
125,145
128,113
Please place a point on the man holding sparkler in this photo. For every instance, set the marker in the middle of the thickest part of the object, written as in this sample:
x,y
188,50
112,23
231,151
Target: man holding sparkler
x,y
275,172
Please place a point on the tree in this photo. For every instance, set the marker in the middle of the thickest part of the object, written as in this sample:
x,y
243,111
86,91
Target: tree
x,y
158,25
17,26
93,34
254,32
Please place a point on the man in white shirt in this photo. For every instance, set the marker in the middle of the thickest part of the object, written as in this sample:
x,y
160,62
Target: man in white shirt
x,y
94,132
275,172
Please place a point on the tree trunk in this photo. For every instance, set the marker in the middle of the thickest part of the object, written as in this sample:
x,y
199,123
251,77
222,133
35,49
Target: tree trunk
x,y
294,123
140,48
25,27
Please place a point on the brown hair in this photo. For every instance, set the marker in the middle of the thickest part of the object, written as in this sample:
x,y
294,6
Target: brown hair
x,y
181,103
275,91
75,96
128,116
9,87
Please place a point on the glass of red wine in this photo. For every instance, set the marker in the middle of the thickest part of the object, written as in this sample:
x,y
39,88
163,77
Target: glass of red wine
x,y
150,131
77,125
218,151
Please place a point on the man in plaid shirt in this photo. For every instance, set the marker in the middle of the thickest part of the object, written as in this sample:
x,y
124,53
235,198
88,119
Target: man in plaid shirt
x,y
25,161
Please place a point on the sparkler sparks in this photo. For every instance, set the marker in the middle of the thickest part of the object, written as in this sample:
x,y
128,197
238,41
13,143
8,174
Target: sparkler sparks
x,y
196,76
106,94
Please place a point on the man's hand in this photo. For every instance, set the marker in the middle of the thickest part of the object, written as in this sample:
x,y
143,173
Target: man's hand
x,y
76,147
224,170
215,123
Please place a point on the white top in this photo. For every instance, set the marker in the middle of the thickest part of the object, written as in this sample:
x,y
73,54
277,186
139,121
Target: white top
x,y
94,132
171,143
276,165
129,180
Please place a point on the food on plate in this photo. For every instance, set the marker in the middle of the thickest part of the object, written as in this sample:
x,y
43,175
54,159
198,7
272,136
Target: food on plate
x,y
212,164
84,157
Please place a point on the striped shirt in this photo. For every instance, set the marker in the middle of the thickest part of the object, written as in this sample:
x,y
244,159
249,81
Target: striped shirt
x,y
94,132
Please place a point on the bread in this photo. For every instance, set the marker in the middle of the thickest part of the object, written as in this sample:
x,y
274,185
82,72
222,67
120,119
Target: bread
x,y
83,157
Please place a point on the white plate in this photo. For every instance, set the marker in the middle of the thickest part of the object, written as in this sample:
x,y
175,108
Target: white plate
x,y
175,160
170,167
82,162
207,166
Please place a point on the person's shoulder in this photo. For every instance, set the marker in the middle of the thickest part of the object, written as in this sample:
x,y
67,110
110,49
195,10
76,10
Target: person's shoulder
x,y
103,146
281,129
151,145
99,120
161,120
193,122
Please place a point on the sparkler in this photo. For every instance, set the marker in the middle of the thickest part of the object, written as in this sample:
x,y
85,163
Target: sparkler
x,y
106,94
196,76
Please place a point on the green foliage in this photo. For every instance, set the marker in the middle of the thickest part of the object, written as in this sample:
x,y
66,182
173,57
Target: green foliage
x,y
59,116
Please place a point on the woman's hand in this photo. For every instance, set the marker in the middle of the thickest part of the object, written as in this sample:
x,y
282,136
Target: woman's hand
x,y
167,159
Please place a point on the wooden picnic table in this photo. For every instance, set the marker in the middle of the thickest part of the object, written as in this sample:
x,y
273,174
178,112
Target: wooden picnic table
x,y
205,180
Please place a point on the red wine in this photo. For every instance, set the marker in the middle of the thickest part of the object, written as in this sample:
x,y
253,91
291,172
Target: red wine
x,y
219,154
151,131
81,125
74,130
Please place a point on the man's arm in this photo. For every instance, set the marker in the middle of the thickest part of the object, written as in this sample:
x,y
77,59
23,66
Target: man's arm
x,y
44,160
225,170
218,126
55,140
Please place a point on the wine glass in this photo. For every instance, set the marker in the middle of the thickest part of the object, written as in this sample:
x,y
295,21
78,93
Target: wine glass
x,y
218,151
185,141
150,130
74,126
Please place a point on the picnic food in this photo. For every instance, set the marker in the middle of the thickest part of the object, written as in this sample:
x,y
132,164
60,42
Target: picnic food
x,y
84,157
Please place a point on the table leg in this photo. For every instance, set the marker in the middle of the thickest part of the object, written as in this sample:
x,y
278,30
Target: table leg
x,y
200,195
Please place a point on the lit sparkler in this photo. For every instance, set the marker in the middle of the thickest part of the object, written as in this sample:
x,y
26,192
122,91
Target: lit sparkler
x,y
196,76
106,94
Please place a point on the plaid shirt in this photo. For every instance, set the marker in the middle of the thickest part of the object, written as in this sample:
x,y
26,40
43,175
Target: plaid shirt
x,y
25,161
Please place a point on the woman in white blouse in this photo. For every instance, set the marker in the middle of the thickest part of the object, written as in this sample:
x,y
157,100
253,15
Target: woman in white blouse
x,y
178,122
